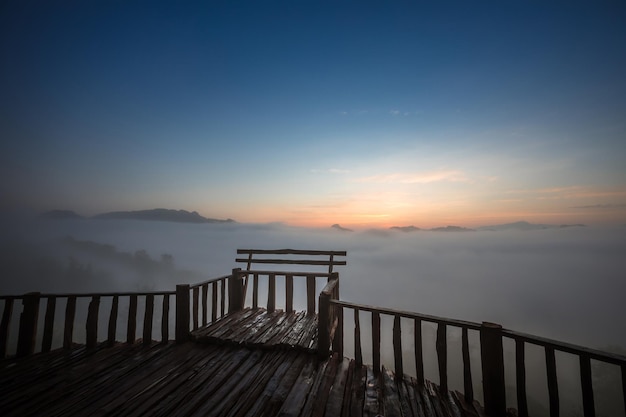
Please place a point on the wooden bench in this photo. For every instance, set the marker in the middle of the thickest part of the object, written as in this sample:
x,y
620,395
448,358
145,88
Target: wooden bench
x,y
306,263
306,257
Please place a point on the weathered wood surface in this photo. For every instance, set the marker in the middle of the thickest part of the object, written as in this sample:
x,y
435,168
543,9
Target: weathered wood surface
x,y
262,328
193,379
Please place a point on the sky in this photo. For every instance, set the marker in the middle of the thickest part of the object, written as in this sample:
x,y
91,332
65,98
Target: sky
x,y
367,114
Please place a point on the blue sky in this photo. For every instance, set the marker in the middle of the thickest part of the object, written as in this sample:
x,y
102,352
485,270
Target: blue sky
x,y
314,113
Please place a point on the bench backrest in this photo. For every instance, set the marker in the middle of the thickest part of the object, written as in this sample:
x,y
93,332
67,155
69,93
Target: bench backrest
x,y
326,260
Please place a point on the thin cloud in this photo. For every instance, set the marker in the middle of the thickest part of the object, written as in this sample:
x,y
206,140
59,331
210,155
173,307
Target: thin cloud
x,y
337,171
418,178
574,191
601,206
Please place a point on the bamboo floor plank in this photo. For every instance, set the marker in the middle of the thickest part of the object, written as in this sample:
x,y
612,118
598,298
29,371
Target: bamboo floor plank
x,y
260,328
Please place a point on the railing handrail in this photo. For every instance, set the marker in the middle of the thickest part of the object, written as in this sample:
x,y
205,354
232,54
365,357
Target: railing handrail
x,y
210,281
608,357
409,314
89,294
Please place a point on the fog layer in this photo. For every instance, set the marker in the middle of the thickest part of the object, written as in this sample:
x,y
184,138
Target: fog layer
x,y
566,284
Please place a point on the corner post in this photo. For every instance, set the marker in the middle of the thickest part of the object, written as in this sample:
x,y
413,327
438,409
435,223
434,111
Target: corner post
x,y
182,313
235,291
323,335
28,325
492,361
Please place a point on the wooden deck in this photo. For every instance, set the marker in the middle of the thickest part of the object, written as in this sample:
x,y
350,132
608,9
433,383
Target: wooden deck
x,y
260,328
248,363
193,379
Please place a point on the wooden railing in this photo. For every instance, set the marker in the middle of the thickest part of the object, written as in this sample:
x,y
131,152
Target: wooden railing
x,y
585,355
29,317
200,307
491,353
268,280
186,316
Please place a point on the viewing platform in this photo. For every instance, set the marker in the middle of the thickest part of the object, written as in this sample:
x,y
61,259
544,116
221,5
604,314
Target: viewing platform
x,y
236,354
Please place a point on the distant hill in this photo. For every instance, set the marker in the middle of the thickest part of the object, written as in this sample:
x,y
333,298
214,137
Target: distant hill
x,y
405,228
524,225
61,214
160,214
452,229
340,228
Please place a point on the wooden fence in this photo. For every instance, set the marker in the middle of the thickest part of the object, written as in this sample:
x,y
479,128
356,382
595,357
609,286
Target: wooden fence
x,y
491,354
186,315
268,279
29,318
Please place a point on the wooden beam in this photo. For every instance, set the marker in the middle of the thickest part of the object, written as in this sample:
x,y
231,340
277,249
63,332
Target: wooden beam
x,y
28,325
255,291
271,293
205,295
235,291
290,252
442,357
376,342
112,331
419,360
147,319
214,301
165,319
4,326
587,386
289,293
467,369
70,312
48,326
131,327
323,326
338,339
553,386
358,355
520,377
291,262
492,363
91,328
310,294
194,308
623,368
223,297
397,348
182,313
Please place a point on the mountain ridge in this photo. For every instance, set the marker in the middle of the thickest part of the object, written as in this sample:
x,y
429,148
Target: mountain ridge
x,y
157,214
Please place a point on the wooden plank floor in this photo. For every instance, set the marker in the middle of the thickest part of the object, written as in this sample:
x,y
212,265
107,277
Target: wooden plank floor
x,y
193,379
260,328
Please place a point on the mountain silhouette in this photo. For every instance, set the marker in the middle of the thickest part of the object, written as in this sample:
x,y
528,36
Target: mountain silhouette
x,y
61,214
161,214
340,228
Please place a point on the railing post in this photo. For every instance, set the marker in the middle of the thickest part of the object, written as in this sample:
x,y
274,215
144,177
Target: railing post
x,y
323,332
91,328
492,361
4,326
28,325
182,313
235,291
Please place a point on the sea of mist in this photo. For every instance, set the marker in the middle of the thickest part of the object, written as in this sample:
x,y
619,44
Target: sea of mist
x,y
566,284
